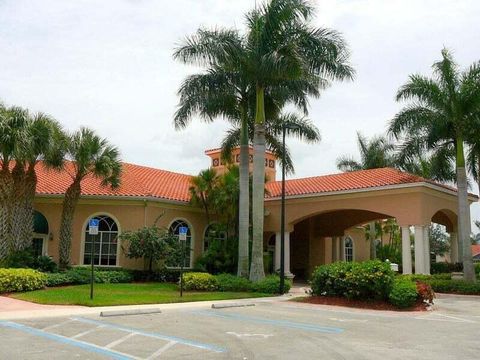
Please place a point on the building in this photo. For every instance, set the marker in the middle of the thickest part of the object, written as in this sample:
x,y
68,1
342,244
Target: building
x,y
322,214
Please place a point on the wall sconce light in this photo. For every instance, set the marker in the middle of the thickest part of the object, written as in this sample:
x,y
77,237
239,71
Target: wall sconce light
x,y
50,236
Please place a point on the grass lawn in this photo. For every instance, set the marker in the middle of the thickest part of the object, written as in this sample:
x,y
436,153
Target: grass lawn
x,y
125,294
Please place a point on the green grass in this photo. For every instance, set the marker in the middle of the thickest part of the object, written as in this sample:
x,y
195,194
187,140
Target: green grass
x,y
125,294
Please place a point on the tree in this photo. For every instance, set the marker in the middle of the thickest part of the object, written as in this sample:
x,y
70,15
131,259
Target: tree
x,y
25,140
151,243
439,118
283,46
226,89
202,190
90,155
439,241
375,153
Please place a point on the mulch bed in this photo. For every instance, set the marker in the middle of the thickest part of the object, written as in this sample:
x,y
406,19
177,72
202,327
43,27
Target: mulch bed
x,y
360,304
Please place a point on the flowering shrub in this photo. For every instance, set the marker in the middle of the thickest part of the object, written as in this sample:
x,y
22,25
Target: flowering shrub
x,y
13,280
354,280
199,281
425,292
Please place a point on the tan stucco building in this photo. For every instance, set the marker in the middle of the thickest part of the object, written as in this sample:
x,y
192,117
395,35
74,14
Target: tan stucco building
x,y
323,214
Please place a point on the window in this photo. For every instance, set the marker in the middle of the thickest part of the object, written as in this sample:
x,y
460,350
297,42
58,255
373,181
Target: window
x,y
174,229
348,249
213,233
105,243
37,246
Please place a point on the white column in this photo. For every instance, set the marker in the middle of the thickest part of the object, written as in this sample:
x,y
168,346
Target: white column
x,y
453,247
288,274
406,251
426,244
277,251
419,250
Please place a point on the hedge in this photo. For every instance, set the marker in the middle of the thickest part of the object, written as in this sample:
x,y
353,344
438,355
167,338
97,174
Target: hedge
x,y
455,286
81,275
369,280
228,282
403,294
14,280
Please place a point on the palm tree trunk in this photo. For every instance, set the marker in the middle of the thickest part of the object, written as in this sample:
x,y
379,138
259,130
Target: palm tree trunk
x,y
26,234
6,196
66,225
257,271
18,177
464,214
244,199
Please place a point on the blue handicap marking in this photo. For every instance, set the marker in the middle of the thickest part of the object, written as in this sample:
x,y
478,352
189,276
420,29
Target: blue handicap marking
x,y
183,230
93,222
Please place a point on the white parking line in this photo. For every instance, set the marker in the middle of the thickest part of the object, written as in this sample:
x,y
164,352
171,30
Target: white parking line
x,y
119,341
86,332
57,325
160,351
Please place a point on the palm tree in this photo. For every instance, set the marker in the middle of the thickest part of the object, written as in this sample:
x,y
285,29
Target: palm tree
x,y
202,190
439,116
226,90
304,129
43,140
375,153
284,47
90,156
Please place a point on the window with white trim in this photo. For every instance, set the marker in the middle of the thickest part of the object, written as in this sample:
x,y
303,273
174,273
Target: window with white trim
x,y
174,229
104,244
348,249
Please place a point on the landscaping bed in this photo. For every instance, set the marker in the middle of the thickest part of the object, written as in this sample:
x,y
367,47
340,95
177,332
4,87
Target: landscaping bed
x,y
360,304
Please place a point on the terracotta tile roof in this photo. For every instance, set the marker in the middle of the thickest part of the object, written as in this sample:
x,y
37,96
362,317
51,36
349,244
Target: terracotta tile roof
x,y
136,181
142,181
475,250
354,180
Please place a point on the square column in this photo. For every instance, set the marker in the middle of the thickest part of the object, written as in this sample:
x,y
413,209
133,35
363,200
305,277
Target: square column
x,y
426,243
406,252
288,274
334,249
453,247
419,249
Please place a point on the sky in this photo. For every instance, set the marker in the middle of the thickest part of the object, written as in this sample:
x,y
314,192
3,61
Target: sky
x,y
108,65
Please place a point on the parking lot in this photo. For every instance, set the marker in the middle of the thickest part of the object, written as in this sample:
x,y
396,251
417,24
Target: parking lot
x,y
269,330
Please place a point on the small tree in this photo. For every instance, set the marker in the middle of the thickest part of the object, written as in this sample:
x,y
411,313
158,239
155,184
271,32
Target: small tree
x,y
439,241
152,243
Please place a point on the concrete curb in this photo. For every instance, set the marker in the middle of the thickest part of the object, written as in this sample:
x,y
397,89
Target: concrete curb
x,y
226,306
109,313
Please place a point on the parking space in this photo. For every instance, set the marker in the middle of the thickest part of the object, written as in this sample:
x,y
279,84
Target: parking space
x,y
269,330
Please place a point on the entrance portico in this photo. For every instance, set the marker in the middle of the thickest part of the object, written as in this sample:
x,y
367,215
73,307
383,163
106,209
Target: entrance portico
x,y
321,218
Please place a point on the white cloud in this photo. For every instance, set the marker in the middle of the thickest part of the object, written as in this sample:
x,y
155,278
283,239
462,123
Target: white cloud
x,y
108,65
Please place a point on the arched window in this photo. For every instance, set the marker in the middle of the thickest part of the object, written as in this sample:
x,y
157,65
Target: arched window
x,y
174,229
104,244
213,233
348,249
40,234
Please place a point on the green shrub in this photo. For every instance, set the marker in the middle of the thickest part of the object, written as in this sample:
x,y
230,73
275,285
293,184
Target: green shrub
x,y
444,267
355,280
455,286
22,259
199,281
45,264
477,269
426,278
403,293
13,280
229,282
81,275
271,285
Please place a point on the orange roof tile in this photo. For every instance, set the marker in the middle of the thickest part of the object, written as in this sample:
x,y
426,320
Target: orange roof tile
x,y
354,180
136,181
475,250
142,181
